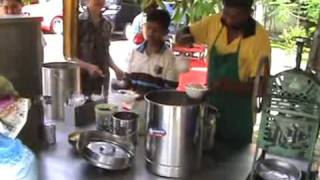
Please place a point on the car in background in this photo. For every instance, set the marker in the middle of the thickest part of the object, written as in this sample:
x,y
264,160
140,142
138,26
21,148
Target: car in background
x,y
120,13
51,13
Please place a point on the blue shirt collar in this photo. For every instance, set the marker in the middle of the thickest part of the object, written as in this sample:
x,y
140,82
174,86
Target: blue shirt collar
x,y
141,48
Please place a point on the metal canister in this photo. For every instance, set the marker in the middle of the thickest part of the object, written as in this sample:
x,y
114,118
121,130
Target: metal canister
x,y
49,130
125,124
175,135
60,80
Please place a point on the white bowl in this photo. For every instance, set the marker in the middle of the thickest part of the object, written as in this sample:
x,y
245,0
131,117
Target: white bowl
x,y
196,91
182,64
127,96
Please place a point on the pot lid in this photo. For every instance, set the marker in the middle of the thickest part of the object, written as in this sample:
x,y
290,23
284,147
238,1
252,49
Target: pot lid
x,y
108,155
105,151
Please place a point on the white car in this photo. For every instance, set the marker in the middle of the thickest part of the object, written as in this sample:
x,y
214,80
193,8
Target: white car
x,y
51,11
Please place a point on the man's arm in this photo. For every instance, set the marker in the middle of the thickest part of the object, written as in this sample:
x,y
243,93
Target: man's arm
x,y
195,33
92,69
116,69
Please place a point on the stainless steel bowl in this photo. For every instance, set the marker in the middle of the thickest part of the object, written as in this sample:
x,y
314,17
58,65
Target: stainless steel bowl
x,y
73,138
105,151
275,169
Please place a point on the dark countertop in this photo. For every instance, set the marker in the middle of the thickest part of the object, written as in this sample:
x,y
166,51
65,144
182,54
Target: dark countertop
x,y
61,162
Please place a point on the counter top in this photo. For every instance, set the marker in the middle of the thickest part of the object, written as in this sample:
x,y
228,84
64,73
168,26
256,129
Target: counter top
x,y
60,161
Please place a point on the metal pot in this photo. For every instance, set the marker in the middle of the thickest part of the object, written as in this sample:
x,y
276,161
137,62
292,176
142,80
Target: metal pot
x,y
124,124
105,151
175,133
272,169
60,81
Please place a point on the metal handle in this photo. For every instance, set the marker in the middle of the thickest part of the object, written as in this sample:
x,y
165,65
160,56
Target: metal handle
x,y
314,56
46,100
199,137
300,42
209,129
260,85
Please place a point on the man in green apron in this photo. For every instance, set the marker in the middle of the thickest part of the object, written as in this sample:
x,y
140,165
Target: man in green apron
x,y
236,44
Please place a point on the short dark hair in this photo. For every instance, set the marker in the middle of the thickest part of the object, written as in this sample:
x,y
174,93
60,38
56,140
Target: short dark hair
x,y
18,1
238,3
160,16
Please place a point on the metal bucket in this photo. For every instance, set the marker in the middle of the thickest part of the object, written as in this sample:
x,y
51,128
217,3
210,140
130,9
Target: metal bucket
x,y
174,140
60,80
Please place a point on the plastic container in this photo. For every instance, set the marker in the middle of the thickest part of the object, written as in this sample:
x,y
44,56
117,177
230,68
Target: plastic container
x,y
17,162
103,114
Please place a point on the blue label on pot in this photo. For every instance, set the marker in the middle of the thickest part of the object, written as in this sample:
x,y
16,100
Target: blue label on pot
x,y
157,132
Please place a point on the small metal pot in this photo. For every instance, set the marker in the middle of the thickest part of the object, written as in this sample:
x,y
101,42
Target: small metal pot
x,y
123,123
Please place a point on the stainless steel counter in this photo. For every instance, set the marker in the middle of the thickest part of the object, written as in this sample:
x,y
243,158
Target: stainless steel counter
x,y
61,162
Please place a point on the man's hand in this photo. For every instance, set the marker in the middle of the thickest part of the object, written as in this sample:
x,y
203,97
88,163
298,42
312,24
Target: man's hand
x,y
184,37
94,70
119,74
184,40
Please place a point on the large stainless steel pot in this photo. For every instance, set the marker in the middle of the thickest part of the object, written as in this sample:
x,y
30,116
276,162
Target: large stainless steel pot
x,y
174,133
60,80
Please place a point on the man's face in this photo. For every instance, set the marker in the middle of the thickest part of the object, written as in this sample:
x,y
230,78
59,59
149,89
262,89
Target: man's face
x,y
235,18
11,7
154,32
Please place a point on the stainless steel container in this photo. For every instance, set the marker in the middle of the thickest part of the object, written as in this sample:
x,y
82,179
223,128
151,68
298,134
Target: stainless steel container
x,y
21,55
50,133
124,124
60,80
174,133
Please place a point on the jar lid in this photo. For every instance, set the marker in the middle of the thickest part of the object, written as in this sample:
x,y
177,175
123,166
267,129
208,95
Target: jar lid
x,y
105,107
